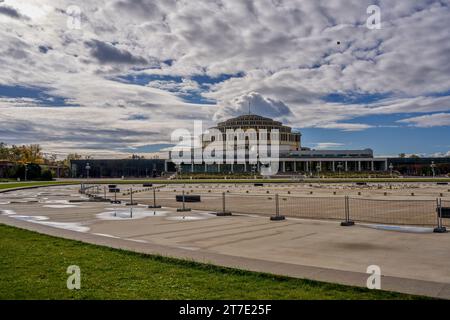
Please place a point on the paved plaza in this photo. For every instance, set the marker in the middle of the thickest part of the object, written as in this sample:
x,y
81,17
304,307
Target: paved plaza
x,y
412,259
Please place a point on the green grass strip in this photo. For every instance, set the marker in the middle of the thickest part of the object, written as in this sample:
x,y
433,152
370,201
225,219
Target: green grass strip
x,y
33,266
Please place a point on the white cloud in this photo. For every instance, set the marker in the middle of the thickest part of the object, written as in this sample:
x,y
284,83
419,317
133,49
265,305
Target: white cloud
x,y
328,145
428,121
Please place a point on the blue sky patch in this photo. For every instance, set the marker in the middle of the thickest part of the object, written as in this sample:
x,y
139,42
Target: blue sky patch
x,y
36,93
383,140
355,98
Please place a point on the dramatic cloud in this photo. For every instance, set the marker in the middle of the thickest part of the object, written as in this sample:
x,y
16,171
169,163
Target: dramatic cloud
x,y
106,53
11,12
137,69
253,103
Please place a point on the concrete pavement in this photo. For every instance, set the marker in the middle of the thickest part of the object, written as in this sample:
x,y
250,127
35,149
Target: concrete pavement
x,y
416,263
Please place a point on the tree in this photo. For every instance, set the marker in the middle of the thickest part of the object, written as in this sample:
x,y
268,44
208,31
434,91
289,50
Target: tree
x,y
4,152
71,156
402,155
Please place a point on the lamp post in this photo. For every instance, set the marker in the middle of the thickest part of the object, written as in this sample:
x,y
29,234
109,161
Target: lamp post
x,y
88,167
391,168
318,168
178,171
433,167
339,166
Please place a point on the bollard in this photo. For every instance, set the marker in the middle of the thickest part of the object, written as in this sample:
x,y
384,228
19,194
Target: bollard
x,y
131,199
347,222
277,216
440,228
154,206
115,201
183,209
224,212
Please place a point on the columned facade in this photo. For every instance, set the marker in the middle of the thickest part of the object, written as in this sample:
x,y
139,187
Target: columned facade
x,y
293,158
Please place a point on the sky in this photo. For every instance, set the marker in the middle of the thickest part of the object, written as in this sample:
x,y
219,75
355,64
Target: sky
x,y
111,78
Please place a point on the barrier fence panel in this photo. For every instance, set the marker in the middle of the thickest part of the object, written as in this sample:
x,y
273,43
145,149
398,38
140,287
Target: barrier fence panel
x,y
446,213
251,204
383,211
313,207
401,212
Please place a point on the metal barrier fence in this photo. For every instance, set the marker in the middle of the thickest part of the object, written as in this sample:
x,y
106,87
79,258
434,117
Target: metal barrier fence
x,y
402,212
341,208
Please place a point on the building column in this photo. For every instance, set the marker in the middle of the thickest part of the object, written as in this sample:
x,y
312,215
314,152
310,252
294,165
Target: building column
x,y
359,165
346,165
333,166
284,166
245,166
232,168
372,167
218,167
165,165
295,166
385,165
206,168
307,166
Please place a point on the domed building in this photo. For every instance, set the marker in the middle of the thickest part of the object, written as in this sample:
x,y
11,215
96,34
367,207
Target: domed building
x,y
289,140
291,156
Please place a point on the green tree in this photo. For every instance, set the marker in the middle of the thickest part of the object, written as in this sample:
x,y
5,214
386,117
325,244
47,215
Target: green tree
x,y
4,151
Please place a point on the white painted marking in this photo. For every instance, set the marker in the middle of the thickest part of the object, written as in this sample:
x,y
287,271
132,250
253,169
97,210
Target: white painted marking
x,y
410,229
137,240
7,212
188,248
106,235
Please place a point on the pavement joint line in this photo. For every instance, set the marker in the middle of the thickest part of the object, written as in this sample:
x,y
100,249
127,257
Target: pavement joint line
x,y
171,231
218,226
237,240
231,234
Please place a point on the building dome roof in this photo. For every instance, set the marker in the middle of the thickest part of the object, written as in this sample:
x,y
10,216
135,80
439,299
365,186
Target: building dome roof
x,y
249,120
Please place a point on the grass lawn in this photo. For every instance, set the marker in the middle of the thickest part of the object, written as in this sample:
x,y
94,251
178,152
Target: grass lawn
x,y
9,185
33,266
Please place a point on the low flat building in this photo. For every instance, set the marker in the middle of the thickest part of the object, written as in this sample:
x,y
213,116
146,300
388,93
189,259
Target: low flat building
x,y
116,168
